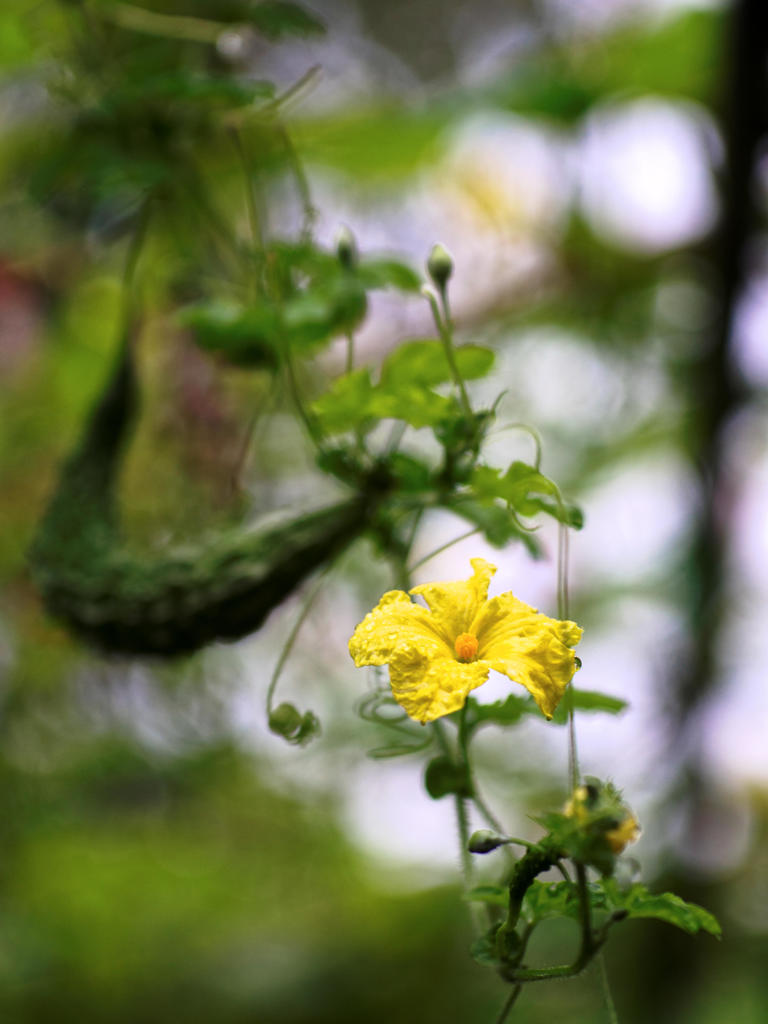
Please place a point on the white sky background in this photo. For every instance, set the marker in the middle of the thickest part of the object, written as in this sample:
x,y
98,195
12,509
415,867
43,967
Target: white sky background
x,y
642,173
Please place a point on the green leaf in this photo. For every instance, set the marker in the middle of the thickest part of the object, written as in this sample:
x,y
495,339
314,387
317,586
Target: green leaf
x,y
501,712
245,336
495,521
323,311
545,900
388,274
412,475
527,491
419,407
495,895
589,700
666,906
277,19
345,406
442,777
423,363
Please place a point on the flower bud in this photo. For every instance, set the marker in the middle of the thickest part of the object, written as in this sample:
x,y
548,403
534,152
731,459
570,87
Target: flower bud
x,y
484,841
346,247
440,266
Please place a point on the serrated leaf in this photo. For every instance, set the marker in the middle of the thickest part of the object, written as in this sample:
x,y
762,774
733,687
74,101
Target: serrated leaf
x,y
666,906
527,491
388,274
423,363
589,700
545,900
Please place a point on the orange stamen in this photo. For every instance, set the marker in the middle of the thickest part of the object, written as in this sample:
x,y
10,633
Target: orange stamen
x,y
466,646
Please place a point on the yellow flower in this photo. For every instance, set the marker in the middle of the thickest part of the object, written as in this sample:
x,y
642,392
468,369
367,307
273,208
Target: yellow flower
x,y
592,804
624,833
437,655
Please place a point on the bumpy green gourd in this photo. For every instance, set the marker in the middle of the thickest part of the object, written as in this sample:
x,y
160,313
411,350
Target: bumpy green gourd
x,y
178,602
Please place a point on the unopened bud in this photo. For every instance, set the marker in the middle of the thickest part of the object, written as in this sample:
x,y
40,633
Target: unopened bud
x,y
440,266
484,841
346,247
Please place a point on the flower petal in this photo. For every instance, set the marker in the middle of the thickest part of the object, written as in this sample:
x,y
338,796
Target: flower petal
x,y
429,688
528,647
395,632
456,604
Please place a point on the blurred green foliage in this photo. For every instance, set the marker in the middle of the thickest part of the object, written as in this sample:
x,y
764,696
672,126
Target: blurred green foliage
x,y
145,878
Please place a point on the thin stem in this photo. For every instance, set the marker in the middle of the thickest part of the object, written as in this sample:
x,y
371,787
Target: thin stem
x,y
606,987
288,646
585,908
459,803
590,945
574,773
215,221
412,535
443,547
534,434
350,360
293,388
462,824
169,26
292,91
254,218
444,330
302,184
510,1002
491,818
236,474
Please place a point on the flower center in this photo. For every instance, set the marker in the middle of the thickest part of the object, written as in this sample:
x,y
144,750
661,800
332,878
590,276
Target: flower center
x,y
466,646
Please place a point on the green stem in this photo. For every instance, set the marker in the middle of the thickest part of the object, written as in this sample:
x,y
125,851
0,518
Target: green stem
x,y
254,219
510,1002
293,388
444,547
462,824
590,942
169,26
444,330
302,184
605,985
574,773
288,646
